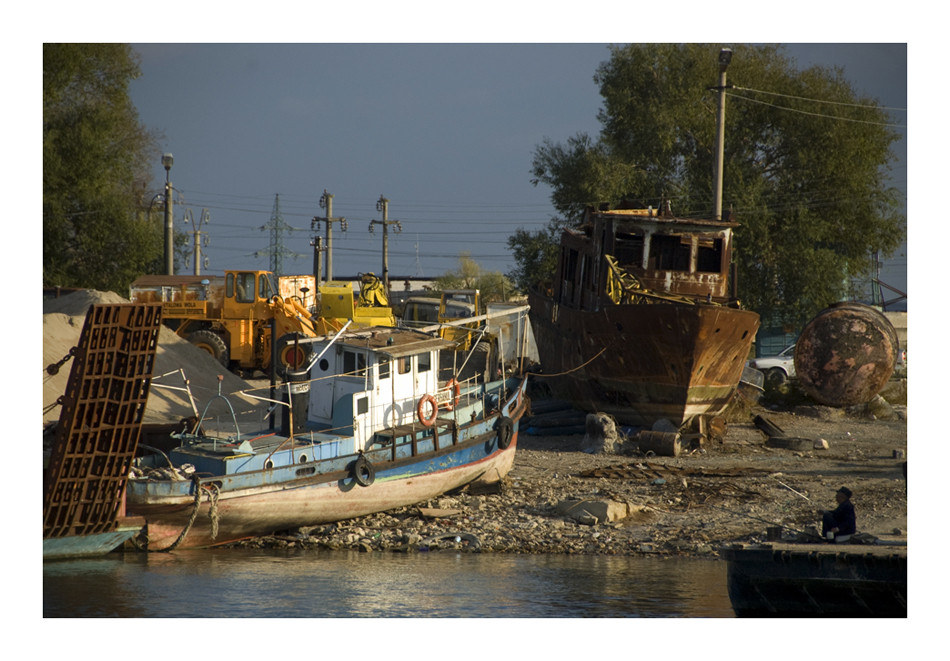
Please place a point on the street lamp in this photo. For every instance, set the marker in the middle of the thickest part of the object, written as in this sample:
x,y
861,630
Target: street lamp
x,y
167,160
725,57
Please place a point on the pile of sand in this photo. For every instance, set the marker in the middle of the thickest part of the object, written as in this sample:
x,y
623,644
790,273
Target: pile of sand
x,y
63,319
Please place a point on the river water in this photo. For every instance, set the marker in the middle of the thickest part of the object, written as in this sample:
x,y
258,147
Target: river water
x,y
235,583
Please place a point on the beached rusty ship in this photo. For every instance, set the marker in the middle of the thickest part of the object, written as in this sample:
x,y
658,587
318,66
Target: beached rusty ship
x,y
640,321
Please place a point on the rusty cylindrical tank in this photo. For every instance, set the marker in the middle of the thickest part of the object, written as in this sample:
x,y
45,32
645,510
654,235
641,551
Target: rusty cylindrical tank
x,y
846,354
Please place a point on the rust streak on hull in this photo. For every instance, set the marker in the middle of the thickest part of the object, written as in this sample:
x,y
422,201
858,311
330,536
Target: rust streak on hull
x,y
661,361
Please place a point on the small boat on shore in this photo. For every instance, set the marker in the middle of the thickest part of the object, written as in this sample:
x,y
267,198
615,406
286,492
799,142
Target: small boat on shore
x,y
817,580
639,322
369,427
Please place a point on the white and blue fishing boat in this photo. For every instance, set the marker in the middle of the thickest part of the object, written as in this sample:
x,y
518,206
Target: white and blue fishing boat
x,y
369,426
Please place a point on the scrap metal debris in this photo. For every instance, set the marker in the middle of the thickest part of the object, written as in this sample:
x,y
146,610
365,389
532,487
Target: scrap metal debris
x,y
777,438
646,471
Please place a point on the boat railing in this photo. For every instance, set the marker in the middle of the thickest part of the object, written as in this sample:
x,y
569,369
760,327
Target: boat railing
x,y
471,392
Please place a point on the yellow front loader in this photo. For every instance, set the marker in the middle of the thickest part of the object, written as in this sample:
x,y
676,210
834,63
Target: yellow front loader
x,y
237,317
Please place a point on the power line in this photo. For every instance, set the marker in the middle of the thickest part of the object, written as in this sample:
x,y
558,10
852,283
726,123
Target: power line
x,y
833,103
815,114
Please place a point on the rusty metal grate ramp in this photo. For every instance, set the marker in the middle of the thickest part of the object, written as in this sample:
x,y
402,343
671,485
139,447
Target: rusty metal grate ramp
x,y
99,426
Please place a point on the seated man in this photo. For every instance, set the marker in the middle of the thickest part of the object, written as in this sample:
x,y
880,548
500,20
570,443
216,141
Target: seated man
x,y
839,524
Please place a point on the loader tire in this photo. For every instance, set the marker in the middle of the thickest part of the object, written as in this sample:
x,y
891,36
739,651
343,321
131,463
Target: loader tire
x,y
212,343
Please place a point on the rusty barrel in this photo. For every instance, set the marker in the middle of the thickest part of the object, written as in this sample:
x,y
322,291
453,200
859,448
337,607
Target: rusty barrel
x,y
846,354
662,444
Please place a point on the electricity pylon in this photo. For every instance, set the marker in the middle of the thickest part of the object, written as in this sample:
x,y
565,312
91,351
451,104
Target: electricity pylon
x,y
277,251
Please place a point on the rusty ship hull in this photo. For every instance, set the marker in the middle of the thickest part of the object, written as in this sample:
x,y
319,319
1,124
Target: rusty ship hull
x,y
639,322
642,363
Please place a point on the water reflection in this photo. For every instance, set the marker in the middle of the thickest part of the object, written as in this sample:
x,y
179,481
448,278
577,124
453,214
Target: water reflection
x,y
253,583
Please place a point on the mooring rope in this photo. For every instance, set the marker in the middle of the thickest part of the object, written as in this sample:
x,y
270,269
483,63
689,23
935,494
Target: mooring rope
x,y
570,370
212,491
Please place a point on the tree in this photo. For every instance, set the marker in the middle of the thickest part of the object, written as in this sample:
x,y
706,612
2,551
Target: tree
x,y
805,166
493,286
96,227
535,255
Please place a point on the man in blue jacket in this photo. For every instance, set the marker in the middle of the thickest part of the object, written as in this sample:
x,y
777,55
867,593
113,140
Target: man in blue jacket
x,y
841,521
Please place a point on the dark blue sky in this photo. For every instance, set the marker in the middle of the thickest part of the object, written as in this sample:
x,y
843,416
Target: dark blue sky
x,y
445,132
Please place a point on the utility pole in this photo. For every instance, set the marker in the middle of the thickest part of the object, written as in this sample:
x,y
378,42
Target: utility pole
x,y
167,160
725,56
326,202
317,243
205,218
383,205
877,293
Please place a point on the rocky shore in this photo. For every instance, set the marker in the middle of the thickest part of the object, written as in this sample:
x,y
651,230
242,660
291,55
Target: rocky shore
x,y
560,498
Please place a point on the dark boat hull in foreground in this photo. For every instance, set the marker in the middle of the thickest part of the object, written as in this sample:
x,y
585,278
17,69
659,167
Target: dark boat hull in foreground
x,y
817,580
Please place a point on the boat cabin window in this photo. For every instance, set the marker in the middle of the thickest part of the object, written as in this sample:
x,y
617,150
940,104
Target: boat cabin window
x,y
384,368
629,249
354,364
404,364
570,265
424,362
670,252
709,254
587,272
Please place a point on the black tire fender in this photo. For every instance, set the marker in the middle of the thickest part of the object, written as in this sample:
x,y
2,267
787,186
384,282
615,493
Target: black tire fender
x,y
363,471
505,430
